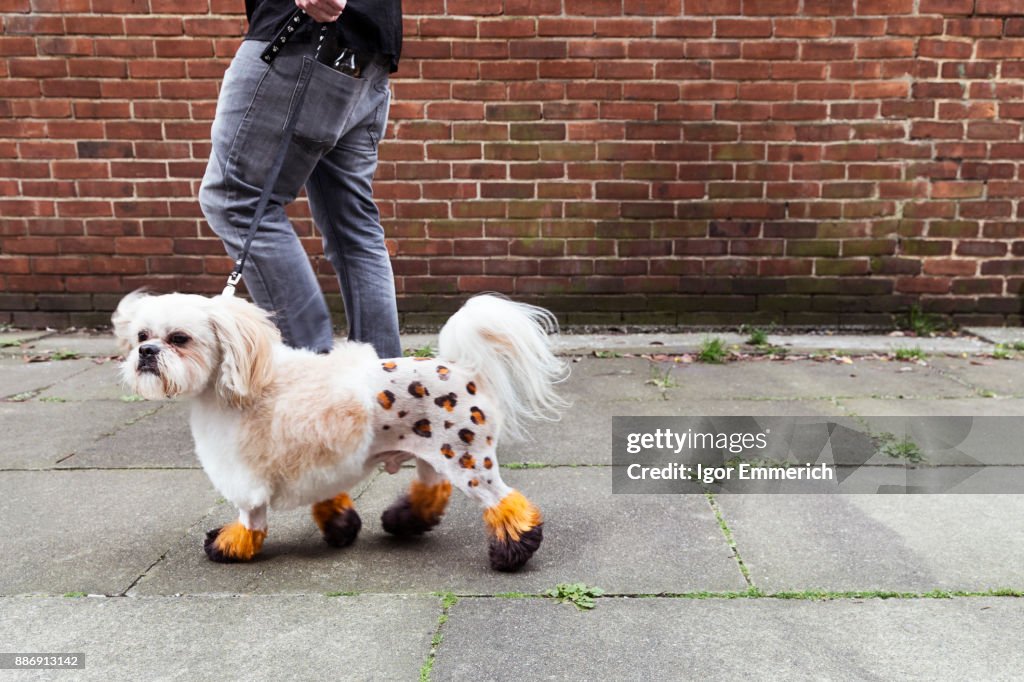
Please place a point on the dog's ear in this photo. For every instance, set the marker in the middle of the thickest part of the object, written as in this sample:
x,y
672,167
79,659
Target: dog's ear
x,y
122,319
246,337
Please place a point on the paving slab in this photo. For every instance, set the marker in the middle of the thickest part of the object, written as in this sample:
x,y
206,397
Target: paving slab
x,y
716,639
1002,377
952,439
252,638
1006,335
584,434
632,543
157,440
600,379
788,379
83,344
38,435
879,542
992,450
11,341
689,342
92,531
917,480
921,407
18,376
859,344
102,381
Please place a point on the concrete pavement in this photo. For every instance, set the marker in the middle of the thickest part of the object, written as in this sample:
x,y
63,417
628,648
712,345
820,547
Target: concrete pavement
x,y
104,509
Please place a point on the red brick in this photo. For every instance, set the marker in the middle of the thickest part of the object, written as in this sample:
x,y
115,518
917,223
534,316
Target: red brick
x,y
577,136
998,7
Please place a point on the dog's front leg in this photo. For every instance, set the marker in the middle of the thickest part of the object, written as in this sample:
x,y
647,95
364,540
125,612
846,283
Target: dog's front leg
x,y
337,520
240,540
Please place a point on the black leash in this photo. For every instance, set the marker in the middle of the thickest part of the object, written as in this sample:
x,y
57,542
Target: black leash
x,y
344,61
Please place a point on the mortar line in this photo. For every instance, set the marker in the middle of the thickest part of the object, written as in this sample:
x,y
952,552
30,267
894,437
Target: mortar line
x,y
196,524
448,600
36,391
117,428
727,533
956,378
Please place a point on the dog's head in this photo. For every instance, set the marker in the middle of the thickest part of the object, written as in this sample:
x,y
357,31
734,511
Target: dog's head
x,y
180,344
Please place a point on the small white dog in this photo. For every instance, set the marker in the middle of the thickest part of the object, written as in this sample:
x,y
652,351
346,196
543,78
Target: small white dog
x,y
280,427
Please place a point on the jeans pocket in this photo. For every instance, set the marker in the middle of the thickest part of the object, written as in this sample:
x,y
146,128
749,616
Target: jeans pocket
x,y
330,97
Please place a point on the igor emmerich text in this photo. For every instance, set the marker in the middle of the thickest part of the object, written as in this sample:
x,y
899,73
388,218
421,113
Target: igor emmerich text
x,y
742,472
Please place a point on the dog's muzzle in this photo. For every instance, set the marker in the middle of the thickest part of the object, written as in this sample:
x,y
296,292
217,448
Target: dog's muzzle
x,y
148,359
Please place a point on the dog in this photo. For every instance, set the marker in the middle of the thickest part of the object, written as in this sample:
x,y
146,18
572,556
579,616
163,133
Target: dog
x,y
278,427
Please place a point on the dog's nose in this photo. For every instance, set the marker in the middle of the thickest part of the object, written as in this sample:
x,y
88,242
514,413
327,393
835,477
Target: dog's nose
x,y
149,350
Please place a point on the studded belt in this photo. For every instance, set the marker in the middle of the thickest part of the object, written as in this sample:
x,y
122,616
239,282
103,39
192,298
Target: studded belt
x,y
283,36
326,50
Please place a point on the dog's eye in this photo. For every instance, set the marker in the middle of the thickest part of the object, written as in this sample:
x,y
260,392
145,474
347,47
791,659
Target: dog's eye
x,y
179,339
143,336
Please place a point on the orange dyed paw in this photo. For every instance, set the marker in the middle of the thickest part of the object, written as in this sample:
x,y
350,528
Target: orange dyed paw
x,y
233,542
517,530
512,517
337,520
419,511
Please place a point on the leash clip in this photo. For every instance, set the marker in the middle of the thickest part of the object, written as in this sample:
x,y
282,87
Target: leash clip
x,y
233,279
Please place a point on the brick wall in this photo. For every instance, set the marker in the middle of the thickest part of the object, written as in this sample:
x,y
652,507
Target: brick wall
x,y
639,161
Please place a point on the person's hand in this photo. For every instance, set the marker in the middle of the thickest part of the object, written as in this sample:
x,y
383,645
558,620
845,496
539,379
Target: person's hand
x,y
323,11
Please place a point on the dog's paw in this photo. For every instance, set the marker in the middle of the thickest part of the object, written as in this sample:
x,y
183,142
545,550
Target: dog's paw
x,y
233,543
402,520
510,555
419,511
337,520
341,529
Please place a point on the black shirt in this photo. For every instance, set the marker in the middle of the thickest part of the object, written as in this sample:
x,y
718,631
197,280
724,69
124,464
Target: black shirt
x,y
365,25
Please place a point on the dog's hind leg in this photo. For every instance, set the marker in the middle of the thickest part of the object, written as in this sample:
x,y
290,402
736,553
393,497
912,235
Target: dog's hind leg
x,y
419,510
240,540
513,522
337,520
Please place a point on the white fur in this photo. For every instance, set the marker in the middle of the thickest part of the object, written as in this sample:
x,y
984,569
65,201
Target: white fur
x,y
506,344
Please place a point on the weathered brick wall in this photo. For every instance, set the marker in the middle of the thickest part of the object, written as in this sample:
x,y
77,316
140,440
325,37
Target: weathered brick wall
x,y
664,161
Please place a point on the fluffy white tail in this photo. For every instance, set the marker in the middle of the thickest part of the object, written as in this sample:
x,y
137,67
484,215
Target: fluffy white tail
x,y
506,345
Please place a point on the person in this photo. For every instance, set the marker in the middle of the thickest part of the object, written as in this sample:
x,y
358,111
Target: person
x,y
333,153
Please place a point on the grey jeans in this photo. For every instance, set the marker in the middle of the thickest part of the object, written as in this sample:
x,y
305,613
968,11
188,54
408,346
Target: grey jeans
x,y
334,154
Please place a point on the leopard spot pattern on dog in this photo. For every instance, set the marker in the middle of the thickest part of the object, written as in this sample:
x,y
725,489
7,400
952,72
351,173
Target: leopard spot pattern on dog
x,y
443,373
471,387
386,399
447,451
476,415
448,402
389,366
422,428
466,461
488,462
418,390
466,436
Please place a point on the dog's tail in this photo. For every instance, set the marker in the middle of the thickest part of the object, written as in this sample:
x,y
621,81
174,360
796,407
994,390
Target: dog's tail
x,y
505,344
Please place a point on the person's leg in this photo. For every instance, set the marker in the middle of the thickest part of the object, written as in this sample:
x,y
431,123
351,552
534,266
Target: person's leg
x,y
341,199
255,102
